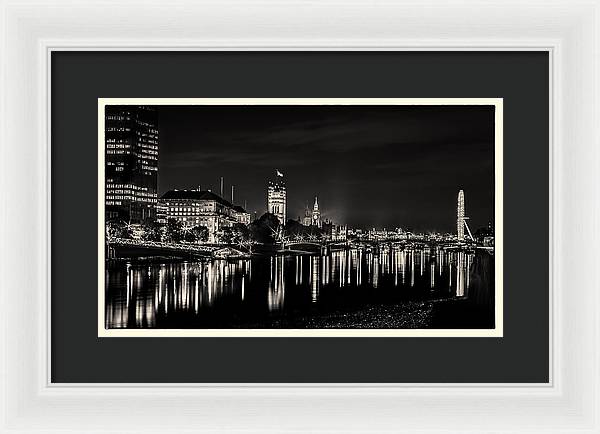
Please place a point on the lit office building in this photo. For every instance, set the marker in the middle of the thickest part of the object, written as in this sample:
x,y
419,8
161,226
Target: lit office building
x,y
276,197
201,208
162,212
131,163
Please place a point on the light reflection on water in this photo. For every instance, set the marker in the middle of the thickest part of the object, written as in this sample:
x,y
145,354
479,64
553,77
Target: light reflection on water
x,y
219,292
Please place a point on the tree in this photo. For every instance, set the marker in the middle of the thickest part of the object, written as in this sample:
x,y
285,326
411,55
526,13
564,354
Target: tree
x,y
118,229
152,231
174,231
294,229
240,233
264,229
226,235
196,234
189,236
201,233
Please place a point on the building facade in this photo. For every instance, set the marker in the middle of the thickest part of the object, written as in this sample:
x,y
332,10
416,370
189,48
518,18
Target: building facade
x,y
162,212
338,232
201,208
241,215
277,198
131,163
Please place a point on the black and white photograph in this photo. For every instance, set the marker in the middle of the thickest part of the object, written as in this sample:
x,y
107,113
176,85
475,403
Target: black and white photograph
x,y
290,216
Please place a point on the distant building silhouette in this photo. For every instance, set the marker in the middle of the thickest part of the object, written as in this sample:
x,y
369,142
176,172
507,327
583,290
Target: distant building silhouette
x,y
307,219
131,163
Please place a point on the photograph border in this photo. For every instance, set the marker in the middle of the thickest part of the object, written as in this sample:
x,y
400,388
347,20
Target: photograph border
x,y
495,332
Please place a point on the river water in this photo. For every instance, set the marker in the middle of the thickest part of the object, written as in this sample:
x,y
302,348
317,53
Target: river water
x,y
389,287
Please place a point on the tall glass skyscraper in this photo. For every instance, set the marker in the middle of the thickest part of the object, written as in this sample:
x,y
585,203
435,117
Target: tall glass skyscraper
x,y
131,163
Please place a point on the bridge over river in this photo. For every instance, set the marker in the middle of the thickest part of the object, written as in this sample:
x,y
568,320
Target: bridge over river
x,y
136,248
126,247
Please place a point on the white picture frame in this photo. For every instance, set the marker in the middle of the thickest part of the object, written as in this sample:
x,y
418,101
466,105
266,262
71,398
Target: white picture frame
x,y
568,30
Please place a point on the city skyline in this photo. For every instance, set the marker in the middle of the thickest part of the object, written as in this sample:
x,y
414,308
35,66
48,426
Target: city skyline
x,y
312,217
182,252
403,165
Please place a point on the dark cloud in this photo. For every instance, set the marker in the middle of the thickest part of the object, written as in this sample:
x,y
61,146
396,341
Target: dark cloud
x,y
370,166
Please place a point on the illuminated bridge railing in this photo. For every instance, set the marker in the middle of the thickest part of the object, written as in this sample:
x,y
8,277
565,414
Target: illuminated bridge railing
x,y
296,242
161,245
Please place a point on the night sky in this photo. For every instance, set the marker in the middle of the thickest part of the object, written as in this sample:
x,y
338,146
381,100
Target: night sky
x,y
371,166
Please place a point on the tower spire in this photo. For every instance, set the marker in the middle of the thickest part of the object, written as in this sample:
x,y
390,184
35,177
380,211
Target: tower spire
x,y
316,214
